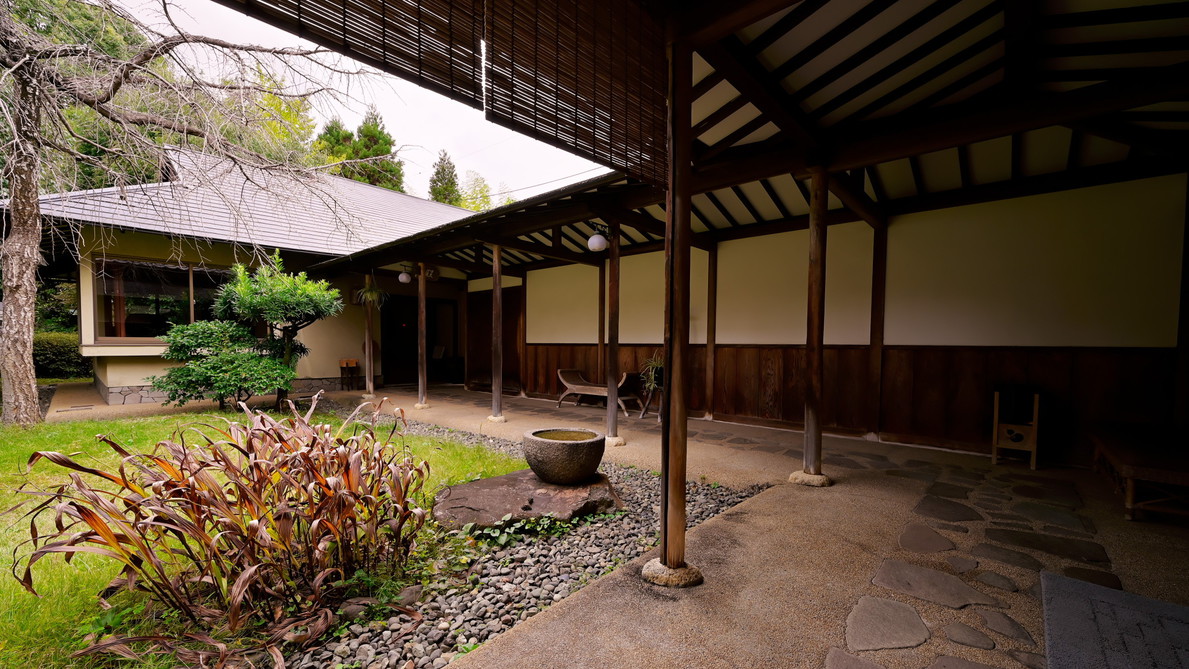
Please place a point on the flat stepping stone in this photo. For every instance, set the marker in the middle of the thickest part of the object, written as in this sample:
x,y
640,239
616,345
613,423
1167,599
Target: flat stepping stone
x,y
961,564
997,580
1030,660
988,505
1007,556
1062,532
920,538
838,659
967,636
1005,625
1075,549
998,515
839,461
947,662
877,623
1014,526
1044,513
940,508
521,495
950,527
948,490
1052,493
929,584
1103,578
917,474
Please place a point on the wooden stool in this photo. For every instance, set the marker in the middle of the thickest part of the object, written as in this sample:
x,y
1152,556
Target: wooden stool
x,y
1015,436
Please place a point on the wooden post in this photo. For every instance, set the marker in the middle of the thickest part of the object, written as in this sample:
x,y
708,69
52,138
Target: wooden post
x,y
613,337
1181,389
601,359
711,325
422,343
879,276
671,568
369,363
497,334
815,322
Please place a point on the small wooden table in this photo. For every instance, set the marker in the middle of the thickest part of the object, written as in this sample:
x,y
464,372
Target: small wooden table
x,y
1153,456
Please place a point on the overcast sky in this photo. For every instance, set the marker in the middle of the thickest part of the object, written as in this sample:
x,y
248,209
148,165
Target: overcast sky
x,y
423,121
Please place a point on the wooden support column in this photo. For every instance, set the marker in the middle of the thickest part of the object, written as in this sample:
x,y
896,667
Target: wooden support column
x,y
612,369
422,341
1181,390
497,336
671,569
879,276
601,354
711,325
815,332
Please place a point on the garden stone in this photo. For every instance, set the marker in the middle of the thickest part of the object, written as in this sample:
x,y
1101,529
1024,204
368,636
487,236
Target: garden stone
x,y
945,509
996,580
837,659
876,623
920,538
967,636
961,564
946,662
1007,556
485,502
929,584
1077,549
1030,660
1005,625
1103,578
950,490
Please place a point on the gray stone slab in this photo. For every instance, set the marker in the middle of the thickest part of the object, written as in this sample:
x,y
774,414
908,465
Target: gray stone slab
x,y
1051,493
1030,660
1004,624
1103,578
948,490
920,538
1014,526
876,623
845,463
917,474
1045,513
838,659
1007,556
945,509
485,502
988,504
961,564
1062,532
947,662
929,584
967,636
1068,547
997,580
1088,626
1012,517
950,527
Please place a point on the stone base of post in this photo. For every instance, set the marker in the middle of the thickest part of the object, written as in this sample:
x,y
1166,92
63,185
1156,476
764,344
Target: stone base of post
x,y
497,419
812,480
615,441
685,577
420,406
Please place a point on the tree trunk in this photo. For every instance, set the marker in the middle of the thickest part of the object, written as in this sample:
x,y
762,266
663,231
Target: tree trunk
x,y
20,255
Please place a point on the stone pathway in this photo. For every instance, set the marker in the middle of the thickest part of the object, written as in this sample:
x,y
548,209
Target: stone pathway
x,y
963,589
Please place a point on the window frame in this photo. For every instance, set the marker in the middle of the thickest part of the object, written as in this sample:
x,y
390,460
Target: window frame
x,y
97,278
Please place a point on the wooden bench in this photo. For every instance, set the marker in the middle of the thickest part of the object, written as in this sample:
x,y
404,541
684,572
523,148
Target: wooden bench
x,y
575,384
1138,454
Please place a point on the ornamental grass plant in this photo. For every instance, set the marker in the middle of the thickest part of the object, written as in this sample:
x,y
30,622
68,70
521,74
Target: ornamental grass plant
x,y
236,525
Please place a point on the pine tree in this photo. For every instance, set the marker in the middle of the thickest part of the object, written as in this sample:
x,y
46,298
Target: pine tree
x,y
443,184
372,143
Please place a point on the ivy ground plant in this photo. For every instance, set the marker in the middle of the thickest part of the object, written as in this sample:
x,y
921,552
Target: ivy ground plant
x,y
236,527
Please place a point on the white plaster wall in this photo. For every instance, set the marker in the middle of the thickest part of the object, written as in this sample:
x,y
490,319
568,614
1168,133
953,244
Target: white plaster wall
x,y
1090,267
562,305
642,298
763,292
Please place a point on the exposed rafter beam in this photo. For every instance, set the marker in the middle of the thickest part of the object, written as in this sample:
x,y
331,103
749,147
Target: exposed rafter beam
x,y
537,249
891,139
711,20
641,222
852,195
1159,142
754,83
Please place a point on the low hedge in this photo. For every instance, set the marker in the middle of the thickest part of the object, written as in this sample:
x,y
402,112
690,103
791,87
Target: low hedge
x,y
55,355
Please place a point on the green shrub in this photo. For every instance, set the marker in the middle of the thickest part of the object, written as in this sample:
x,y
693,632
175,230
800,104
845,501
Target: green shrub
x,y
221,360
55,355
237,527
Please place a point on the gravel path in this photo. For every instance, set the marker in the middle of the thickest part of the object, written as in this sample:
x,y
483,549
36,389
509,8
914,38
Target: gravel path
x,y
517,582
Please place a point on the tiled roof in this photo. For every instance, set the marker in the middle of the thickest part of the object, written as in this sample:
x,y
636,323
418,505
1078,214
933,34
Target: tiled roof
x,y
218,200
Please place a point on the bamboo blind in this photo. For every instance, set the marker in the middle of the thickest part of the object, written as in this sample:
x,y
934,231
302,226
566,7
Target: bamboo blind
x,y
585,76
434,43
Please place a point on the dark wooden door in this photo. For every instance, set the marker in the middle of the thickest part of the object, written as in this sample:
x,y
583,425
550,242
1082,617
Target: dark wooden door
x,y
479,339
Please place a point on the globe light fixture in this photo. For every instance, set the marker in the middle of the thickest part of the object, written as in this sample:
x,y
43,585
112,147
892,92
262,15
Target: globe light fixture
x,y
597,242
404,277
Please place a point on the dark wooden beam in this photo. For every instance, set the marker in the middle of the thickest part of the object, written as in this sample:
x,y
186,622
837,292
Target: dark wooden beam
x,y
852,195
711,326
731,139
775,197
879,275
640,221
709,21
1019,45
1117,47
1159,11
756,84
497,333
1181,387
422,339
726,214
833,217
538,249
964,165
612,360
1166,143
855,20
815,324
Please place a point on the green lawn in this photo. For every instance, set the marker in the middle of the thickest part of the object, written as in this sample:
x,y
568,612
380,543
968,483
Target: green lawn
x,y
42,632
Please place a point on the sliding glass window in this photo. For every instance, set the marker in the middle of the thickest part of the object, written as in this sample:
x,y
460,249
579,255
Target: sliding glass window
x,y
138,299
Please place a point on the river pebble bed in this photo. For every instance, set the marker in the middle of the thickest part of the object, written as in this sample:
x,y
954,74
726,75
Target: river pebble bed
x,y
519,581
